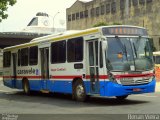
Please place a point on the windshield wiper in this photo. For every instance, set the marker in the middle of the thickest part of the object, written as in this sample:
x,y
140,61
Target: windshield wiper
x,y
135,50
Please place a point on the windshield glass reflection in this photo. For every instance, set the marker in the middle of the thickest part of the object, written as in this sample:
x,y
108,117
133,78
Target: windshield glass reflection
x,y
129,54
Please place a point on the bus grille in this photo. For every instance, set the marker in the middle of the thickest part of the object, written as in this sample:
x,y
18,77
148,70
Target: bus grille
x,y
134,82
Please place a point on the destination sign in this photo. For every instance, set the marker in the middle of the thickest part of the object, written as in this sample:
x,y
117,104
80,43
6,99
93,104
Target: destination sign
x,y
131,31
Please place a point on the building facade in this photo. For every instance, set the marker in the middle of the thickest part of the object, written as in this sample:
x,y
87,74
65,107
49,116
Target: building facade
x,y
145,13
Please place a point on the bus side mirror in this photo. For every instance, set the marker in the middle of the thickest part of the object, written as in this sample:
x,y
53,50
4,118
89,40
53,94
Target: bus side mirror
x,y
104,45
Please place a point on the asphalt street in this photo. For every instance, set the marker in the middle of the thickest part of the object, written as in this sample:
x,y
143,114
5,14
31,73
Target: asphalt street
x,y
15,102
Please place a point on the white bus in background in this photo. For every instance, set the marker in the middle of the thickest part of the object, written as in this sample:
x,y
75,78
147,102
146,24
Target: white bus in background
x,y
105,61
156,56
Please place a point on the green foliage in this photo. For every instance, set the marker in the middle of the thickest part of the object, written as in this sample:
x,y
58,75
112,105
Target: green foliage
x,y
115,23
105,24
100,24
4,7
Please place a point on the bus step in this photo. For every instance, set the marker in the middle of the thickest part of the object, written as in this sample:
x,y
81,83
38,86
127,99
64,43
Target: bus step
x,y
44,91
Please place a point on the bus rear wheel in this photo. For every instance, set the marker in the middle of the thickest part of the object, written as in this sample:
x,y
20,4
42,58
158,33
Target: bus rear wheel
x,y
121,97
79,91
26,87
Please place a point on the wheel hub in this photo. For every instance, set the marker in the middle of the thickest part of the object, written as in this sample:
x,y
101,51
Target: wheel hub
x,y
80,91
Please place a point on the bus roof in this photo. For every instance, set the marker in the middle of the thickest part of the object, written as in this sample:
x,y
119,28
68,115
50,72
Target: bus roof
x,y
56,37
66,35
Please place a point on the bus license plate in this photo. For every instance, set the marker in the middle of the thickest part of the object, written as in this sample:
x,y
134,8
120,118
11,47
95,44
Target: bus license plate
x,y
137,90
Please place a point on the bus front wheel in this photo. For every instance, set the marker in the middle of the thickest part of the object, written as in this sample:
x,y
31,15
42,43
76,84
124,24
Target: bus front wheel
x,y
79,91
26,87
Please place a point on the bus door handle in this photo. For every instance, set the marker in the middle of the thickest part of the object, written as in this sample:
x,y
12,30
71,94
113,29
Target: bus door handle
x,y
50,76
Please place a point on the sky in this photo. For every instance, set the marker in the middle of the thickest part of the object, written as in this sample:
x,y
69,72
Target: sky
x,y
24,10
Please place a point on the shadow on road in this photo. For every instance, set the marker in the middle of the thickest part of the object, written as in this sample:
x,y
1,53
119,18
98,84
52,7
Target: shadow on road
x,y
65,100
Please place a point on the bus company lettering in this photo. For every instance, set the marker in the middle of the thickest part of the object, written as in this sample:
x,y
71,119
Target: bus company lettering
x,y
58,69
30,71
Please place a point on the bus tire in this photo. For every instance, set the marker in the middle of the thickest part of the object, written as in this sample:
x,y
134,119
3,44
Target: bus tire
x,y
79,92
26,87
121,98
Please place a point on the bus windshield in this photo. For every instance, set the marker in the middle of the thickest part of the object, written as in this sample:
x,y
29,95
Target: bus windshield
x,y
129,54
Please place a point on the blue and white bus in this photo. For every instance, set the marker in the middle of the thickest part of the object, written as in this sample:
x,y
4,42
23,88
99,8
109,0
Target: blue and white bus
x,y
103,61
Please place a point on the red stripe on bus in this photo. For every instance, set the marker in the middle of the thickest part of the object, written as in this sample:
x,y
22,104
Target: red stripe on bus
x,y
100,76
87,76
33,77
65,77
134,75
7,77
122,76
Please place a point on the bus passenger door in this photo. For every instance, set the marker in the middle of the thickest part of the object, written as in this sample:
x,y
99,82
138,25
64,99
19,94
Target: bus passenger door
x,y
14,62
93,66
44,52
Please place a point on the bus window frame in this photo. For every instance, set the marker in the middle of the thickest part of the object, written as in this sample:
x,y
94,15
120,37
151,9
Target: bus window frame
x,y
75,49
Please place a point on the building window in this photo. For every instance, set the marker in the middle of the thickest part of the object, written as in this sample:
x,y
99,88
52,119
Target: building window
x,y
77,15
148,1
73,16
97,11
108,8
102,10
34,22
69,17
86,14
142,2
135,2
33,55
7,59
58,52
75,50
81,15
113,7
92,12
122,4
24,57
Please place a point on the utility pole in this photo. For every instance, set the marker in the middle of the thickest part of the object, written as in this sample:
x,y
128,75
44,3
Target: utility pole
x,y
127,11
54,19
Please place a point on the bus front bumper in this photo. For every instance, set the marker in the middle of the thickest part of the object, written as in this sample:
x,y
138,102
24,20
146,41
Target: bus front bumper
x,y
114,89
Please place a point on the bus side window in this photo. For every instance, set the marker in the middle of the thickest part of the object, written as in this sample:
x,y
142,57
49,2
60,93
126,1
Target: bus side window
x,y
33,55
19,57
24,57
7,59
58,52
75,50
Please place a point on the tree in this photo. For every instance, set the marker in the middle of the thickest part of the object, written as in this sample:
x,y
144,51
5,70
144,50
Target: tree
x,y
116,23
105,24
100,24
4,6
